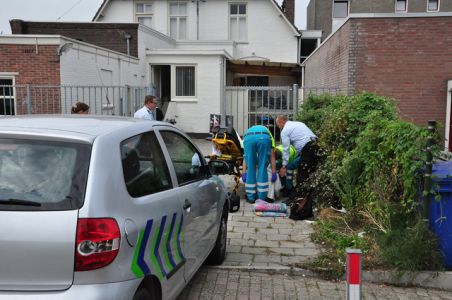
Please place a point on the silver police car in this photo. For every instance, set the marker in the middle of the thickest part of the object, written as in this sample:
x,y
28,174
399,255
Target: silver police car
x,y
105,208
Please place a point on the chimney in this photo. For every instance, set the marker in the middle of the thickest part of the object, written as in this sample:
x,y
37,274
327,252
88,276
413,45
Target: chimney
x,y
17,26
288,7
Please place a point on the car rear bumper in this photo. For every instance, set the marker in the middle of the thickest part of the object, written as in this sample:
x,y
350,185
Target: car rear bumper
x,y
123,290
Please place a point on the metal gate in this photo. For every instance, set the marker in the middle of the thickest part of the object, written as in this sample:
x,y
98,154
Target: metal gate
x,y
260,106
58,99
253,105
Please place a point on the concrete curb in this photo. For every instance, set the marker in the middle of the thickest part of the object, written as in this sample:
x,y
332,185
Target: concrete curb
x,y
276,270
424,279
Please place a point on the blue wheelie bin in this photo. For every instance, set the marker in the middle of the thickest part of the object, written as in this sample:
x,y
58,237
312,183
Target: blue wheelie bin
x,y
441,211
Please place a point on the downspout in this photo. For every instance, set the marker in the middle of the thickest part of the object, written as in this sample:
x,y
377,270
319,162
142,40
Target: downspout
x,y
128,36
448,116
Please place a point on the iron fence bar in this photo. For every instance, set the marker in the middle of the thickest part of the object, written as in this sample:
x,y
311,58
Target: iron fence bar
x,y
28,100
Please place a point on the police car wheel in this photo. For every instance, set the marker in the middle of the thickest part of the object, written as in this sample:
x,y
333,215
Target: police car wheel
x,y
147,291
218,254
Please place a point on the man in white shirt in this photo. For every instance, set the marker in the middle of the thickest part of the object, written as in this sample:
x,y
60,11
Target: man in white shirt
x,y
147,112
304,141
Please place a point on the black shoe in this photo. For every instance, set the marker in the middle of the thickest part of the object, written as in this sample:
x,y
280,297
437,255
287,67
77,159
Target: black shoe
x,y
269,200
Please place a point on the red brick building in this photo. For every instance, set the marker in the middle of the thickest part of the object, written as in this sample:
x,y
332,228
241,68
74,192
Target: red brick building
x,y
406,58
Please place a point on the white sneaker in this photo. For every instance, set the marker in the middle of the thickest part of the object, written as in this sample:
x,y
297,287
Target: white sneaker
x,y
342,210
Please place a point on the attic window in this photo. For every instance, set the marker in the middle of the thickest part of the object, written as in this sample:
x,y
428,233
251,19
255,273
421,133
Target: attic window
x,y
401,5
340,9
433,5
238,22
143,13
178,20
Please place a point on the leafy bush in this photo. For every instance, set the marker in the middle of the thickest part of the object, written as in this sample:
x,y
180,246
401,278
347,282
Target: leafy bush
x,y
411,248
371,161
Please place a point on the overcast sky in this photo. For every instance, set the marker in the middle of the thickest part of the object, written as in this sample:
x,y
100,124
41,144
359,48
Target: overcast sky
x,y
80,10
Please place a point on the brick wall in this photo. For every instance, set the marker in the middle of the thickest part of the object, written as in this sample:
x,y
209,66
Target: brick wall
x,y
289,9
41,67
408,59
328,66
107,35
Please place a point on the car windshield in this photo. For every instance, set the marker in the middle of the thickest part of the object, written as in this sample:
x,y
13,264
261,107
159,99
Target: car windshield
x,y
42,175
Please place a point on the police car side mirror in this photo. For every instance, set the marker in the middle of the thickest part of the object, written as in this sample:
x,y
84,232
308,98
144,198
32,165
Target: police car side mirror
x,y
218,167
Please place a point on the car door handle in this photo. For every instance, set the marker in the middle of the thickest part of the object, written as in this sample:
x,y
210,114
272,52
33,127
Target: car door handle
x,y
187,204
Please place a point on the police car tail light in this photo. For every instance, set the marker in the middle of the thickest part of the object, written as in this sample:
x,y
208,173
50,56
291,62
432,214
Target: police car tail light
x,y
97,243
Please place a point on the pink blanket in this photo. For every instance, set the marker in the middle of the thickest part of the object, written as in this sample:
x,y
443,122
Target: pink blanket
x,y
262,206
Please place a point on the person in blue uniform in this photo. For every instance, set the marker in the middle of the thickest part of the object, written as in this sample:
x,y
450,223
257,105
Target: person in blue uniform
x,y
258,153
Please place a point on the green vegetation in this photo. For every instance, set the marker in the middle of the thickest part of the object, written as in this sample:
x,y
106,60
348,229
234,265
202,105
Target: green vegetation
x,y
371,162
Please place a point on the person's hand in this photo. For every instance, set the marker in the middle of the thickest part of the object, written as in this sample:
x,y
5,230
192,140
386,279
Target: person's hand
x,y
244,176
274,177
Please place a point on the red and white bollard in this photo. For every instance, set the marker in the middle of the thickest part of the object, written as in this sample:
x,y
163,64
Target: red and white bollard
x,y
353,274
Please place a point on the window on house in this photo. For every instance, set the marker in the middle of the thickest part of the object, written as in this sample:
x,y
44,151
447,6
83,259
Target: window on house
x,y
7,97
237,22
340,9
143,13
185,81
433,5
401,5
178,20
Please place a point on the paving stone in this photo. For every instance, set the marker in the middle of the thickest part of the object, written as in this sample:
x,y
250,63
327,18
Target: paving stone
x,y
282,226
307,251
255,236
289,244
240,242
239,257
282,251
276,237
263,220
284,221
244,229
239,218
235,235
267,244
255,250
289,260
267,230
267,258
298,237
238,224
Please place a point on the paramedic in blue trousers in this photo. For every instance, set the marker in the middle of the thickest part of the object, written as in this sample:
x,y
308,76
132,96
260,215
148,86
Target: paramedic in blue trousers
x,y
259,151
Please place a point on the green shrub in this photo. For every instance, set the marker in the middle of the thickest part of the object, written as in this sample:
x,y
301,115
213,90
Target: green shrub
x,y
411,248
371,161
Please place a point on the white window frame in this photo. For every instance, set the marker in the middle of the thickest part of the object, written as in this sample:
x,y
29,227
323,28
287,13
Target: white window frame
x,y
237,17
401,11
178,17
348,9
144,14
13,79
174,84
434,10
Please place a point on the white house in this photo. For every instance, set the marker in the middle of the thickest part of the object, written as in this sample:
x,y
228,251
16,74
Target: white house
x,y
193,49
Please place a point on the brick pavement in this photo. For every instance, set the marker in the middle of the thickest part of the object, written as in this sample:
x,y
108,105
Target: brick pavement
x,y
213,283
267,241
